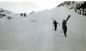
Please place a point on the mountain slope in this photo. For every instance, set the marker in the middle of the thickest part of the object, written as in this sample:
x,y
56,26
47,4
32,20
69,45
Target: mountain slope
x,y
35,32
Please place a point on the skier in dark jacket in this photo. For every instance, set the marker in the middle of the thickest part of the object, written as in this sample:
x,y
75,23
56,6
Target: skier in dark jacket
x,y
24,14
64,25
55,24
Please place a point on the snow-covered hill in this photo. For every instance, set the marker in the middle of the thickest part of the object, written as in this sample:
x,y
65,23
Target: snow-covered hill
x,y
78,6
35,31
6,14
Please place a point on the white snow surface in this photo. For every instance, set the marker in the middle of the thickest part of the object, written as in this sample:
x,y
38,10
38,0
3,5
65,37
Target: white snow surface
x,y
35,32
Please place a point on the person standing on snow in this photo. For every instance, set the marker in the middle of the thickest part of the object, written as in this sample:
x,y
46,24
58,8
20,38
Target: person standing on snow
x,y
64,25
55,24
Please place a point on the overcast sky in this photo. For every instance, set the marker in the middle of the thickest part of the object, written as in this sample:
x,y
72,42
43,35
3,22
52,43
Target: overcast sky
x,y
28,5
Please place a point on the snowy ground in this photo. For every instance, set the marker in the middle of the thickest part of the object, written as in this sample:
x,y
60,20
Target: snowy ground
x,y
35,32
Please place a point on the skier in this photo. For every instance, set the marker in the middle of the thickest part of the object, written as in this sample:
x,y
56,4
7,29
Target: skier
x,y
64,25
55,24
21,14
24,14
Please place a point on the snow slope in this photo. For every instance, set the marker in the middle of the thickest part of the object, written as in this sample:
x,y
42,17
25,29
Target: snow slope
x,y
35,32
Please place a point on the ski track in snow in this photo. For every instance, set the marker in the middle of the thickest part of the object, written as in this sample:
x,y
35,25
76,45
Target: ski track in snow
x,y
35,32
